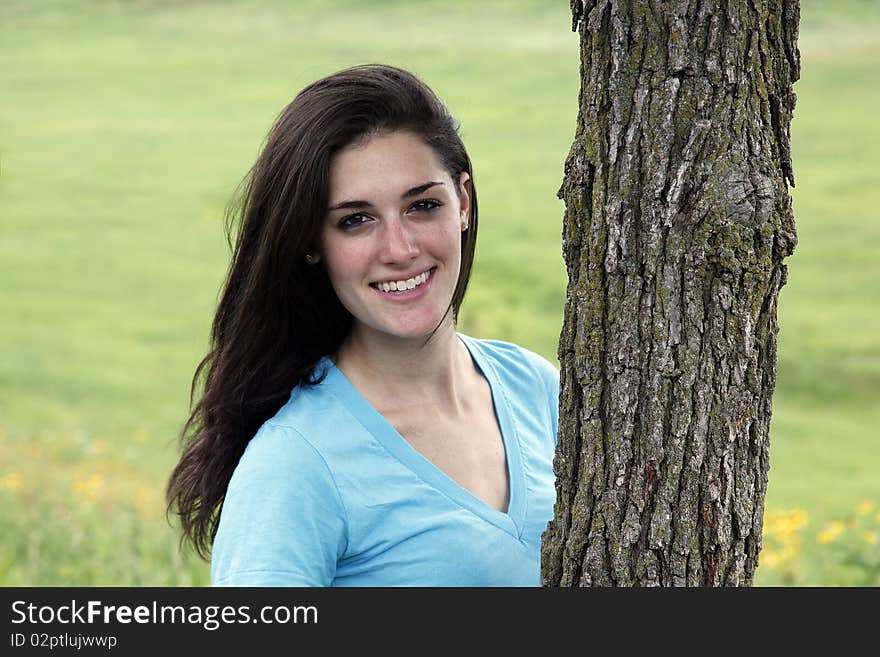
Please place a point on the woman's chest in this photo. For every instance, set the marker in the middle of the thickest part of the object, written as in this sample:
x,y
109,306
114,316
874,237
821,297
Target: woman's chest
x,y
409,520
470,451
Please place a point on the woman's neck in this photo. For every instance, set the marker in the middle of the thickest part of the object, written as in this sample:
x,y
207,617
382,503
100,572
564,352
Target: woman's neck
x,y
396,374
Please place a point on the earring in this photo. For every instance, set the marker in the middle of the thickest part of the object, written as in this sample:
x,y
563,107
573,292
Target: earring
x,y
464,226
312,258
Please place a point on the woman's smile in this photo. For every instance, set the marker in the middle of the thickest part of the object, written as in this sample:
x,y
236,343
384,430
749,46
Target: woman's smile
x,y
404,289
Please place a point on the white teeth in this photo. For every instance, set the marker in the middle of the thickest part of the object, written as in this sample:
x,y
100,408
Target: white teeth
x,y
408,284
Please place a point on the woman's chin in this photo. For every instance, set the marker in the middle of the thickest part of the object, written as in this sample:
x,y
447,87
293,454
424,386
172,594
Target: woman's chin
x,y
415,329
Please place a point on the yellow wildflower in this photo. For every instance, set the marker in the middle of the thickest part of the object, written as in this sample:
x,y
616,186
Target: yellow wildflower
x,y
89,488
865,508
830,532
870,538
11,481
770,558
146,500
782,538
784,522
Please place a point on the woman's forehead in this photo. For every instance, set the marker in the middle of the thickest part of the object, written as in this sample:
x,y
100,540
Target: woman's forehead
x,y
392,163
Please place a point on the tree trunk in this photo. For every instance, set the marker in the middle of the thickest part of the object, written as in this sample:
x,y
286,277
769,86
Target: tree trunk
x,y
677,222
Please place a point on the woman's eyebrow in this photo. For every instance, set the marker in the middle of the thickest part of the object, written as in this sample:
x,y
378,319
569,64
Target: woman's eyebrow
x,y
415,191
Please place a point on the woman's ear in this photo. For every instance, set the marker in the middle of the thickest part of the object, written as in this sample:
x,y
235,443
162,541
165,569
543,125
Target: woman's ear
x,y
313,255
464,195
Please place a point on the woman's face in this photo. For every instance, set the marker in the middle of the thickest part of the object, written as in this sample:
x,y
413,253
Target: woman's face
x,y
391,241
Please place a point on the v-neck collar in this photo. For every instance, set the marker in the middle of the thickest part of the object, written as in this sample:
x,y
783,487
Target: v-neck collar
x,y
421,466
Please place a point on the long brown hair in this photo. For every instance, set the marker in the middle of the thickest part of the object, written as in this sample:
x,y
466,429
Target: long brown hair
x,y
277,316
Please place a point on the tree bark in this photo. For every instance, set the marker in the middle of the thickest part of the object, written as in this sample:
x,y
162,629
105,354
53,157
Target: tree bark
x,y
677,222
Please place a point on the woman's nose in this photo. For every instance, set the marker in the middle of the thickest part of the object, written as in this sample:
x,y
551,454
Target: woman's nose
x,y
399,243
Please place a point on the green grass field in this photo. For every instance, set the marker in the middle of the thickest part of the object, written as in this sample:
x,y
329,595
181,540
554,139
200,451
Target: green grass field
x,y
124,129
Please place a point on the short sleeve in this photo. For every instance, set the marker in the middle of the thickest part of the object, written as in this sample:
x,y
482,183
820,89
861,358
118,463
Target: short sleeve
x,y
282,522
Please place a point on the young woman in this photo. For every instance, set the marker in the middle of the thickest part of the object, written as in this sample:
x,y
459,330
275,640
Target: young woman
x,y
347,435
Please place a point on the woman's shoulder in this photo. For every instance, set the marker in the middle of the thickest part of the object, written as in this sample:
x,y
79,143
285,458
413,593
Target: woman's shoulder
x,y
525,376
281,490
512,358
295,430
276,449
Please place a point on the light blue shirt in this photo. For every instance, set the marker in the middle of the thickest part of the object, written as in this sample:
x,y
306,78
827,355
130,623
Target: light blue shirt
x,y
328,493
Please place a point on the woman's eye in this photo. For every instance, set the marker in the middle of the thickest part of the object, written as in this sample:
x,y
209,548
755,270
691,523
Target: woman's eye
x,y
425,205
353,221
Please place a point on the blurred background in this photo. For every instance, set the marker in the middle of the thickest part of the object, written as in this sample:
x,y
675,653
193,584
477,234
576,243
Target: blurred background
x,y
125,127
